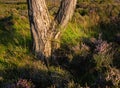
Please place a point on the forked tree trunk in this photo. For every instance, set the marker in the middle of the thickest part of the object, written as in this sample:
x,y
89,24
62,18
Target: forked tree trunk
x,y
43,30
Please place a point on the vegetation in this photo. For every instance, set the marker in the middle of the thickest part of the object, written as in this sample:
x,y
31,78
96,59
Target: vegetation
x,y
89,55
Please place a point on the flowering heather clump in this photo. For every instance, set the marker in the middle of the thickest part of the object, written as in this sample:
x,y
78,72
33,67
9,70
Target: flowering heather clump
x,y
102,47
103,53
23,83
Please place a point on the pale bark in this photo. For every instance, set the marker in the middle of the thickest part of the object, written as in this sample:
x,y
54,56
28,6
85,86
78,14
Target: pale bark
x,y
40,23
62,17
43,30
65,12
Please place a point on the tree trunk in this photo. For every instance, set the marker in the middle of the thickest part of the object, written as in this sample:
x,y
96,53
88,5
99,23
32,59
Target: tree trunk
x,y
43,30
62,17
39,24
65,12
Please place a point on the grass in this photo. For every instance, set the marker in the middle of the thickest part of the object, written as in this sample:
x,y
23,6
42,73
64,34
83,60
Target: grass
x,y
79,62
72,33
16,60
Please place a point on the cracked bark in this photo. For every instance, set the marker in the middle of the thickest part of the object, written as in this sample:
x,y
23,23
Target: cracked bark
x,y
43,30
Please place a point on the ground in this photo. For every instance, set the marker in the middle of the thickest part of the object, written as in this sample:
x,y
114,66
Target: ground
x,y
88,56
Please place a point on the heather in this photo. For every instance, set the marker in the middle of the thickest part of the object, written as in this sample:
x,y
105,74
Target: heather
x,y
89,53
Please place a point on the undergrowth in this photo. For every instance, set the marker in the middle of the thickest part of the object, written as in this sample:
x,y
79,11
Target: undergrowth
x,y
88,56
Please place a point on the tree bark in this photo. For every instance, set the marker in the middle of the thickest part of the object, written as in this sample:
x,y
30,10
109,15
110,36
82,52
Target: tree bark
x,y
43,30
62,17
65,12
39,24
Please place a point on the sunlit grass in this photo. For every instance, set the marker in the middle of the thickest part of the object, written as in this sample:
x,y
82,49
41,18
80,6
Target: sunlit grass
x,y
16,59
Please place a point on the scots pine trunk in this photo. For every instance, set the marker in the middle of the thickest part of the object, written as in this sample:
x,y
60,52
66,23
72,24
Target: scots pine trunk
x,y
65,12
62,17
39,25
43,29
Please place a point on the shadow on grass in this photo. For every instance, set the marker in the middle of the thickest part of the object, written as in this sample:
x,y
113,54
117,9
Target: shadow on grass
x,y
9,35
111,33
10,76
41,78
83,67
110,30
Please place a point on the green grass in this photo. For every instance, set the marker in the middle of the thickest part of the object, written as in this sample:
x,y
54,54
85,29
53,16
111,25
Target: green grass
x,y
17,61
71,34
